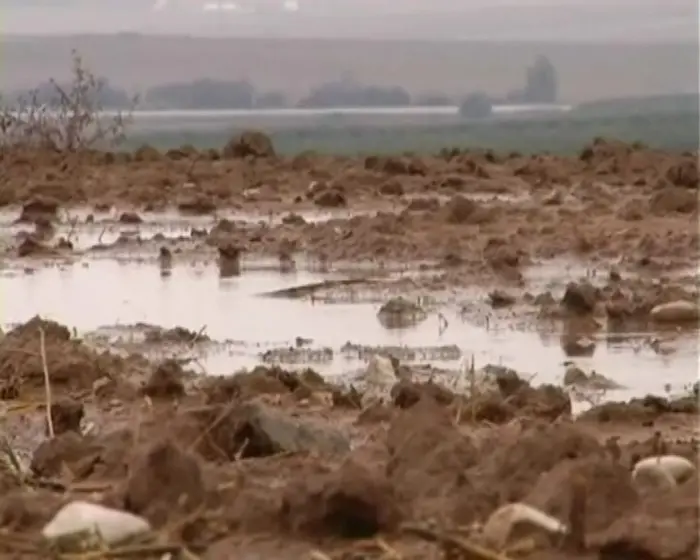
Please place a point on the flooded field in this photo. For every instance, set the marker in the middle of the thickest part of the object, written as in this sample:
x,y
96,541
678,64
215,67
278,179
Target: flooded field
x,y
107,299
323,358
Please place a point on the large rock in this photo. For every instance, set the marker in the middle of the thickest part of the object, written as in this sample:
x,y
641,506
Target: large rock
x,y
271,431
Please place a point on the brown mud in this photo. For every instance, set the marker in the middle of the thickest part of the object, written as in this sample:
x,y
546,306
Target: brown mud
x,y
274,463
277,464
467,211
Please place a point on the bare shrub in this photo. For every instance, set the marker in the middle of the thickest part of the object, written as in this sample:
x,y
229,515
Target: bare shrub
x,y
71,121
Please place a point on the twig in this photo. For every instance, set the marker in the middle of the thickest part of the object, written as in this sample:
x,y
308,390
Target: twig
x,y
126,552
318,555
577,515
47,382
389,551
466,547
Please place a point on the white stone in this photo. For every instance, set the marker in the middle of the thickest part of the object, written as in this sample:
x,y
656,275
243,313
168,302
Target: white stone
x,y
112,525
676,312
378,378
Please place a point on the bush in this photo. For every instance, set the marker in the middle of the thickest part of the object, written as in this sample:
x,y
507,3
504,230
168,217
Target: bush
x,y
72,121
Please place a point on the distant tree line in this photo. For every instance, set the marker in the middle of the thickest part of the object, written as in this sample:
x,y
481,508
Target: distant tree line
x,y
541,88
541,85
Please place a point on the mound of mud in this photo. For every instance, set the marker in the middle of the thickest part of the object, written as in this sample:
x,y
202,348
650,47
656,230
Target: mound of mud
x,y
507,471
67,362
350,502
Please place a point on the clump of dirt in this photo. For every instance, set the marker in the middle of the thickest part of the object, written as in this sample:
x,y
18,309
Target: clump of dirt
x,y
164,481
608,490
351,502
428,454
662,526
643,411
507,471
176,335
38,208
70,364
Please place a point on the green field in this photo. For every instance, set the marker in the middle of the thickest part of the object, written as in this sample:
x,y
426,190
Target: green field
x,y
676,131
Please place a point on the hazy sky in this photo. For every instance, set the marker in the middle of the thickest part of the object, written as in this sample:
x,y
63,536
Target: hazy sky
x,y
596,20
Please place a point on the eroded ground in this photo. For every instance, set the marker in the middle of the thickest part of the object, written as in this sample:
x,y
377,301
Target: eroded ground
x,y
364,298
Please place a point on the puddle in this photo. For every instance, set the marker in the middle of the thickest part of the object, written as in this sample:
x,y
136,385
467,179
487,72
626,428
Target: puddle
x,y
93,294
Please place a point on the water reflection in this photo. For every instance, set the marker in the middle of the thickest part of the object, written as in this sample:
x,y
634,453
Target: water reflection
x,y
92,294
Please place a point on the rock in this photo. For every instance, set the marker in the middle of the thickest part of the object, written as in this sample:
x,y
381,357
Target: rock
x,y
37,208
331,198
391,187
400,313
675,312
580,298
274,432
130,218
673,200
379,378
79,519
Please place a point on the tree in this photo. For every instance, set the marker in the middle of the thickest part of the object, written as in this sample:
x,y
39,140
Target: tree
x,y
476,105
203,94
542,82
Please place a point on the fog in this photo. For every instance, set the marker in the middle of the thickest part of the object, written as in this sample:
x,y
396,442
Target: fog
x,y
542,20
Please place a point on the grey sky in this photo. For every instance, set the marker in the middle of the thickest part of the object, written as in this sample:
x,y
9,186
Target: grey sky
x,y
595,20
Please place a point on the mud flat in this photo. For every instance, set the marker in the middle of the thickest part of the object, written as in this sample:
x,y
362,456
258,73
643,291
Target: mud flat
x,y
321,357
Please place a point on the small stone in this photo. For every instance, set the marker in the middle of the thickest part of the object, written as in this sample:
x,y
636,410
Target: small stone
x,y
79,519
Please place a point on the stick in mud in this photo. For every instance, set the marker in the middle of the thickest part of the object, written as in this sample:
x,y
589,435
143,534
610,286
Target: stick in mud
x,y
467,548
47,382
576,539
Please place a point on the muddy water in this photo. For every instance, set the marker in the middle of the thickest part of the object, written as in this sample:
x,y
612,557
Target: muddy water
x,y
105,296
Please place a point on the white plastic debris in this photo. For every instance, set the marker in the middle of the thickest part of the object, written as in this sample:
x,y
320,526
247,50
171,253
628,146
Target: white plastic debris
x,y
113,526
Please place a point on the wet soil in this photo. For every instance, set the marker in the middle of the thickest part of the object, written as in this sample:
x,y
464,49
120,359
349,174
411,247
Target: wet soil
x,y
280,464
468,211
296,278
